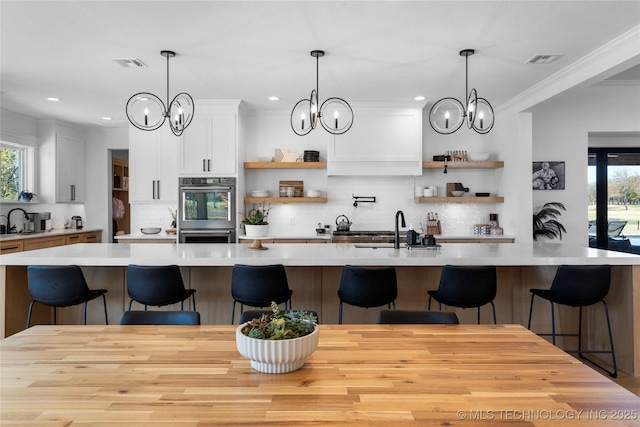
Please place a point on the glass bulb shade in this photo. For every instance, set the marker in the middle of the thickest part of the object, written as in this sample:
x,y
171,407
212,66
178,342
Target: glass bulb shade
x,y
484,116
145,111
446,115
336,116
472,108
181,112
300,117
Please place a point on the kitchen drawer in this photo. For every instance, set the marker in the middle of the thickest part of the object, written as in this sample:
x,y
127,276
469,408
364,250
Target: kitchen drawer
x,y
43,242
89,237
11,246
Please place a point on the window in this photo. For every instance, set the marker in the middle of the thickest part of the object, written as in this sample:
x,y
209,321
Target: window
x,y
16,170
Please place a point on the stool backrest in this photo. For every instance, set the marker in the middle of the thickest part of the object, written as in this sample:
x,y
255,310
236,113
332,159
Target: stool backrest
x,y
415,317
160,318
583,284
368,286
469,285
259,283
57,285
154,284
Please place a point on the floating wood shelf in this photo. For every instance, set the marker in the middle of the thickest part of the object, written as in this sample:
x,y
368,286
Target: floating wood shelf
x,y
464,165
283,200
285,165
462,199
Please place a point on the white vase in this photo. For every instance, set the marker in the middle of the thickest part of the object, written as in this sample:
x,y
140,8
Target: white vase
x,y
256,230
276,356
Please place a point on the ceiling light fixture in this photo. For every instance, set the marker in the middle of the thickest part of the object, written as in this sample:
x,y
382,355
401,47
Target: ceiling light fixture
x,y
52,99
448,114
147,112
274,98
335,114
419,98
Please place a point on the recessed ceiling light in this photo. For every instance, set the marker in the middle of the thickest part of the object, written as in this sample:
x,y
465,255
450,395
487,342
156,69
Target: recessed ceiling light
x,y
53,99
420,98
544,59
273,98
106,118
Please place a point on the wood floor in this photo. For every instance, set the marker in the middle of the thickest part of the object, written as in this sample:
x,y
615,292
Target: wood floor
x,y
627,381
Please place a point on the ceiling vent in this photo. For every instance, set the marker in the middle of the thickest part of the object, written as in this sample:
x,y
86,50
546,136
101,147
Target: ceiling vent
x,y
130,62
544,59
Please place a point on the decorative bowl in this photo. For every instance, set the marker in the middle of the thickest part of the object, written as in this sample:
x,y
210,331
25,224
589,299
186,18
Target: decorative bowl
x,y
150,230
478,157
456,193
260,193
313,193
276,356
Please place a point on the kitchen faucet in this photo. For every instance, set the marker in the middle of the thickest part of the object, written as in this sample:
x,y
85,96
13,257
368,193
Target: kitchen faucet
x,y
26,216
396,240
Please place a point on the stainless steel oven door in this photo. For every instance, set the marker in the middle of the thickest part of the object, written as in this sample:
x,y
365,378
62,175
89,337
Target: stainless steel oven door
x,y
207,203
207,236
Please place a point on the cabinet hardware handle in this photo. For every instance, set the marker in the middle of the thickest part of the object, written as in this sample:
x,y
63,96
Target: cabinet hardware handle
x,y
158,189
204,168
7,248
208,165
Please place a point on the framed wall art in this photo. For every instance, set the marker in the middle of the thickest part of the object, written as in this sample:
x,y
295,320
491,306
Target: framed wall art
x,y
548,176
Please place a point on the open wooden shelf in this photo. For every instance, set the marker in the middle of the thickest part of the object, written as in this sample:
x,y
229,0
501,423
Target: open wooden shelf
x,y
462,199
285,165
464,165
284,200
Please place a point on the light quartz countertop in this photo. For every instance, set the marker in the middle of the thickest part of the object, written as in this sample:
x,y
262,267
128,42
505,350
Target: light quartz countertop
x,y
54,232
330,254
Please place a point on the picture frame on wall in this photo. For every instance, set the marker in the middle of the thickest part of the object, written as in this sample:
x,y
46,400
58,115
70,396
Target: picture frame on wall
x,y
548,175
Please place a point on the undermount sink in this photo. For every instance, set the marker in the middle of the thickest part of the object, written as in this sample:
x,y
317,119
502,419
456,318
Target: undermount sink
x,y
373,245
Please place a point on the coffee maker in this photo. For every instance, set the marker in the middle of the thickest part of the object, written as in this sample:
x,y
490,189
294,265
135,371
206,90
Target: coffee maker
x,y
43,221
76,222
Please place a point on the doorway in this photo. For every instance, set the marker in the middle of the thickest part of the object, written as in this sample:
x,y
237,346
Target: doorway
x,y
614,199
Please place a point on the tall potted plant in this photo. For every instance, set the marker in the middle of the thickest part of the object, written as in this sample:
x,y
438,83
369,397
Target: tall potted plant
x,y
278,342
255,222
545,223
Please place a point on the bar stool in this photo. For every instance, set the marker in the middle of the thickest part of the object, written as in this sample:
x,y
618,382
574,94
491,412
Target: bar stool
x,y
367,287
258,285
417,317
579,286
61,286
160,318
157,286
466,287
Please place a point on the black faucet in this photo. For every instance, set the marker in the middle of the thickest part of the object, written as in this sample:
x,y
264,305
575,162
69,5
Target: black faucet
x,y
26,216
396,241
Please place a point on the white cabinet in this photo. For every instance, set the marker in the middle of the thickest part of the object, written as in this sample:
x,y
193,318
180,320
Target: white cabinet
x,y
385,139
208,147
61,173
152,165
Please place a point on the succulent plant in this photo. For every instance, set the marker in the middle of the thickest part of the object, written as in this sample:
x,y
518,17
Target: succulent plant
x,y
280,325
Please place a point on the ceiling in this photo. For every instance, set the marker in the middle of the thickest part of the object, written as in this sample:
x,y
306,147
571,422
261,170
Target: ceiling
x,y
376,51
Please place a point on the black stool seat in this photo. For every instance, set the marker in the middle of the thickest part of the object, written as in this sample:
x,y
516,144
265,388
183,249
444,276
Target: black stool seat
x,y
367,287
416,317
160,318
466,287
579,286
258,286
61,286
157,286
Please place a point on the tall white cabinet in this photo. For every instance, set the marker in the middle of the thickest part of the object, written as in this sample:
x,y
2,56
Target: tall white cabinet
x,y
152,165
208,147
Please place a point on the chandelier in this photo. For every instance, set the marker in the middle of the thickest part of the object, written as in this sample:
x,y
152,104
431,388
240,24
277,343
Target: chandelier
x,y
147,112
335,114
448,114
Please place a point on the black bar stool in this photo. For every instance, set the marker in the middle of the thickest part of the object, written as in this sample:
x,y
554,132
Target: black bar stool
x,y
61,286
157,286
466,287
258,285
579,286
367,287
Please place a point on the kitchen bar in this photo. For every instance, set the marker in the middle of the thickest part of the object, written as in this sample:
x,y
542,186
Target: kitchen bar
x,y
314,273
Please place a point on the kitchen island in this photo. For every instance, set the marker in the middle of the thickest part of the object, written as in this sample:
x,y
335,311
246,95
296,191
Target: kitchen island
x,y
314,271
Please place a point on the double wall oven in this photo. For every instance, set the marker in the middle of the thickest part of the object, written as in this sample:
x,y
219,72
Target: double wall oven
x,y
207,210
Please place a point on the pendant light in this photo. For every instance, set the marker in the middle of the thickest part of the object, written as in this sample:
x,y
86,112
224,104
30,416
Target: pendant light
x,y
448,114
335,114
147,112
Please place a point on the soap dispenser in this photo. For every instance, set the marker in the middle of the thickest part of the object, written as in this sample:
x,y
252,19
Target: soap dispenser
x,y
412,236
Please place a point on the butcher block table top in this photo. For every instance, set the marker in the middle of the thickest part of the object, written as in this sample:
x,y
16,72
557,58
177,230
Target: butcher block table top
x,y
360,375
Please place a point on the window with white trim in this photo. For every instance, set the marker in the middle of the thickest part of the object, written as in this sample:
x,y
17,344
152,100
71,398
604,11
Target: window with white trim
x,y
16,170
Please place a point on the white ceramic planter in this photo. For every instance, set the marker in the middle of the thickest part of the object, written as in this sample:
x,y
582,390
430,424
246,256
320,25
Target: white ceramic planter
x,y
256,230
276,356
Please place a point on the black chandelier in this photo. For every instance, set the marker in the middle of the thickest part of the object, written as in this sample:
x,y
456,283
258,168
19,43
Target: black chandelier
x,y
147,112
335,114
448,114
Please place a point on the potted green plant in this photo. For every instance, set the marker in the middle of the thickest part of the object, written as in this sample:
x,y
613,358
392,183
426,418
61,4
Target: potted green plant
x,y
545,223
278,342
256,221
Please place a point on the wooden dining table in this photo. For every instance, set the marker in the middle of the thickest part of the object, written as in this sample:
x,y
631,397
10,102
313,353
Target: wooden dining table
x,y
360,375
